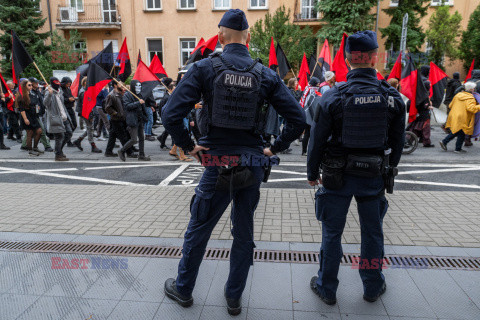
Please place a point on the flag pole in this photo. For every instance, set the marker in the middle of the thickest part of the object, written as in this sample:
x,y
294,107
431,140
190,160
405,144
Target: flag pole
x,y
36,67
294,75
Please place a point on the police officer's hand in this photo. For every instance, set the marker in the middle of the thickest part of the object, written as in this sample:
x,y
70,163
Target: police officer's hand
x,y
316,182
268,152
194,152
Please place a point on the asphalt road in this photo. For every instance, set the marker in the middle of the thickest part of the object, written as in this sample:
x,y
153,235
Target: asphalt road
x,y
426,169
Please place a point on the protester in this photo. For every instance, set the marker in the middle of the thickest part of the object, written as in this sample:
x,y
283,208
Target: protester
x,y
114,108
310,90
29,119
58,120
135,118
3,108
452,86
69,101
328,83
421,125
149,110
103,121
168,83
13,118
292,86
393,82
88,122
307,104
462,117
37,99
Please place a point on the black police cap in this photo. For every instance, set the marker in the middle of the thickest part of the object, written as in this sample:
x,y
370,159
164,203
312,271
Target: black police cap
x,y
362,41
234,19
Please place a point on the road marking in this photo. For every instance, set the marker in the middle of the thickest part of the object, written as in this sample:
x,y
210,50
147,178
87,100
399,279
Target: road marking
x,y
467,186
133,166
290,172
439,170
63,176
287,180
173,175
45,170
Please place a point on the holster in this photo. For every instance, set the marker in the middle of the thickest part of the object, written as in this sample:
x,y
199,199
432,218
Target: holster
x,y
332,173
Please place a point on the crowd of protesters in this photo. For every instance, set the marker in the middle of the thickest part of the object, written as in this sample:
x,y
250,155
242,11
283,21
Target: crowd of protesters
x,y
50,112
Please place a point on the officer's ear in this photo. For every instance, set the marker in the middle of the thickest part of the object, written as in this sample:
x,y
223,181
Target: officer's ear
x,y
249,38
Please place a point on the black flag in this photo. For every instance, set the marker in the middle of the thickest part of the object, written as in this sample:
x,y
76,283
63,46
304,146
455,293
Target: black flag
x,y
20,58
283,64
104,58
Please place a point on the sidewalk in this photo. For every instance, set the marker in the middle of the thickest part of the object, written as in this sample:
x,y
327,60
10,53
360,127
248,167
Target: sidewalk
x,y
414,218
31,289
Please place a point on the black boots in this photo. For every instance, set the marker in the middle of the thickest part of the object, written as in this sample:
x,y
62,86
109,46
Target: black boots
x,y
234,306
143,157
171,292
313,286
95,149
78,143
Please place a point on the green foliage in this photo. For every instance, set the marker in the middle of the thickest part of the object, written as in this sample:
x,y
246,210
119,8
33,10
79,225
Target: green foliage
x,y
347,16
443,35
293,39
470,45
24,18
416,10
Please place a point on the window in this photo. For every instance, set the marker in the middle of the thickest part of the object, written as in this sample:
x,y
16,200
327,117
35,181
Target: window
x,y
442,3
186,4
222,4
309,9
155,47
393,3
186,48
80,46
258,4
154,5
109,10
37,4
78,4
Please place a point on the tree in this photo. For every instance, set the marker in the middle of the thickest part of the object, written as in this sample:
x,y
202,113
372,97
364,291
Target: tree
x,y
470,45
293,39
442,35
415,35
62,56
347,16
25,19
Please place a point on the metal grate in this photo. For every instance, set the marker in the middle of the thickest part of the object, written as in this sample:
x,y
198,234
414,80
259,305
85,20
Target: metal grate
x,y
306,257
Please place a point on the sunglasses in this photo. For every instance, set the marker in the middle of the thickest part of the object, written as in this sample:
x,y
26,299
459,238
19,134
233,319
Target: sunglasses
x,y
29,85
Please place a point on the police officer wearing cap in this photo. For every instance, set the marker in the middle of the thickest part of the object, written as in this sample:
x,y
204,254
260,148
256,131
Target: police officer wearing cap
x,y
235,90
357,141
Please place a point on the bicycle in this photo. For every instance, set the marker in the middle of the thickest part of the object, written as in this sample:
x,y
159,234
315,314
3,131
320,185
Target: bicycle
x,y
411,142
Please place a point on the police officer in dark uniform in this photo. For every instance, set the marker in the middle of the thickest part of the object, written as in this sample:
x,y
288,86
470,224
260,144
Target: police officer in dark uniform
x,y
357,140
234,89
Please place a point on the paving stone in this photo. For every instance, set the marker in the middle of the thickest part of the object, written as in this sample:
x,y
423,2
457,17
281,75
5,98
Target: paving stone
x,y
264,314
13,305
128,310
220,313
172,311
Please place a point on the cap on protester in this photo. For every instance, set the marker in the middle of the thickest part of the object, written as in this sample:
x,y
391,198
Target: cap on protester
x,y
167,81
456,76
362,41
33,80
234,19
66,80
314,81
329,75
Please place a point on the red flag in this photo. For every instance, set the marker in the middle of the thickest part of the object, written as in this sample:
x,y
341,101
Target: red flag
x,y
20,58
469,75
197,52
157,67
325,59
412,87
97,79
210,46
438,83
303,73
339,65
7,92
397,69
272,60
147,78
75,85
123,59
379,76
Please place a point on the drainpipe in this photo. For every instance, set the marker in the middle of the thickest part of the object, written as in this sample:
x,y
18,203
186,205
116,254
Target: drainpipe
x,y
49,17
378,14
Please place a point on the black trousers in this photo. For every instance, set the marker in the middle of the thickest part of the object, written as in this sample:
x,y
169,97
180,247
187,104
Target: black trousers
x,y
73,118
306,137
14,125
1,129
118,130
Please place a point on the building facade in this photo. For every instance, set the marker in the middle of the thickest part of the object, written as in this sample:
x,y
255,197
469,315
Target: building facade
x,y
171,28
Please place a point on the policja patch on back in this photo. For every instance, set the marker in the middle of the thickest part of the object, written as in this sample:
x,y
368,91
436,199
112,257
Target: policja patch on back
x,y
237,80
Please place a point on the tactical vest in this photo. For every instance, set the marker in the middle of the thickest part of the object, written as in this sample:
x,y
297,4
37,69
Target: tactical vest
x,y
364,117
236,102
